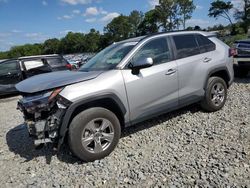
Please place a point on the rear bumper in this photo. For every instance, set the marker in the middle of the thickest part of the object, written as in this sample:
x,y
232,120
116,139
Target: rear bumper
x,y
242,62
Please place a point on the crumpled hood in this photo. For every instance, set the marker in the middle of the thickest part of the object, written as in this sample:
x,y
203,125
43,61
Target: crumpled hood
x,y
54,80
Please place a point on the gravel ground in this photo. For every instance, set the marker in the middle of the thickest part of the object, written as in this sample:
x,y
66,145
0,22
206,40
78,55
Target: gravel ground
x,y
187,147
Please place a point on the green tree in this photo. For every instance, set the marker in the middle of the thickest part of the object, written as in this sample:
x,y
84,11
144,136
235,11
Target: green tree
x,y
135,18
51,46
186,8
149,24
3,55
92,41
72,43
25,50
119,28
169,14
243,15
220,8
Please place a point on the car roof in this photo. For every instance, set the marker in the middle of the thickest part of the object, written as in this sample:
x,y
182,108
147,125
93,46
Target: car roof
x,y
31,57
38,56
138,39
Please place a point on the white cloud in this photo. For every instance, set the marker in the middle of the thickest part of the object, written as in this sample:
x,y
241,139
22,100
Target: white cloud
x,y
45,3
199,7
76,11
153,3
65,17
238,4
16,31
94,11
109,17
90,20
5,34
36,37
76,2
91,11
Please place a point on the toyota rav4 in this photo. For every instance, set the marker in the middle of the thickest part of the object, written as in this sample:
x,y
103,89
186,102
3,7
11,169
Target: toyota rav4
x,y
126,83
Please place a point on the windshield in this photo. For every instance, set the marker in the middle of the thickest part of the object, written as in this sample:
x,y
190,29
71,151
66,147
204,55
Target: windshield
x,y
108,58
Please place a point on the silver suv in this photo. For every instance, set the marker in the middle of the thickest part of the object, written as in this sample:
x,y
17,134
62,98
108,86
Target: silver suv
x,y
126,83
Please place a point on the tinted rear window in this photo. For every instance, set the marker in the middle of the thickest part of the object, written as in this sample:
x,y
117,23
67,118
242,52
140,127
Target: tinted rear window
x,y
56,62
205,44
186,46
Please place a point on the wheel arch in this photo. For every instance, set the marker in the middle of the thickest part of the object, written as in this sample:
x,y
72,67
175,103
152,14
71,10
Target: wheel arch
x,y
109,101
221,72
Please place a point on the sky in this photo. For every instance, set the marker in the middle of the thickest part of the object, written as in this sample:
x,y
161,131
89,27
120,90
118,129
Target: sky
x,y
34,21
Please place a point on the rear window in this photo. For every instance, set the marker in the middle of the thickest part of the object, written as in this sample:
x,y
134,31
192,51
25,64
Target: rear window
x,y
186,46
32,64
205,44
56,62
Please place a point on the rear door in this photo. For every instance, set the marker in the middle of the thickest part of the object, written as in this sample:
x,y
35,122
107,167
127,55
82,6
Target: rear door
x,y
193,56
10,74
155,89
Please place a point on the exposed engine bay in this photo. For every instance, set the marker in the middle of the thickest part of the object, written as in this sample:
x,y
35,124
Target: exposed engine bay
x,y
43,114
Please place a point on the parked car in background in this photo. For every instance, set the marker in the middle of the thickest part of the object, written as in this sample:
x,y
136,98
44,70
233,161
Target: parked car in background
x,y
126,83
77,60
13,71
242,57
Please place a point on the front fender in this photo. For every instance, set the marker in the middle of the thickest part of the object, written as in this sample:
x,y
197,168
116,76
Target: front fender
x,y
71,109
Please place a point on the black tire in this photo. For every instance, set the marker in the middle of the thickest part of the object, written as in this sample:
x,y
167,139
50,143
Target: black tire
x,y
207,103
78,127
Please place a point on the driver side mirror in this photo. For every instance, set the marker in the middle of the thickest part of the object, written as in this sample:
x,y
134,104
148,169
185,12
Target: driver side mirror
x,y
141,63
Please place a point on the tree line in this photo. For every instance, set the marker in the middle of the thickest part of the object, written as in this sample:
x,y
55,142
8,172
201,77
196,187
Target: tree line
x,y
169,15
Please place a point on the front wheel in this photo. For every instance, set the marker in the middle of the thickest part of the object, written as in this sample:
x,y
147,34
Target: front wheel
x,y
215,94
94,133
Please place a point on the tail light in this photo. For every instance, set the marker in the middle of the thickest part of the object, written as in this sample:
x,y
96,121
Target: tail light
x,y
232,52
69,66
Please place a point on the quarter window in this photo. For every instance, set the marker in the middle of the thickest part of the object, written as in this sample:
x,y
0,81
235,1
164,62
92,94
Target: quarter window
x,y
32,64
205,44
157,49
56,62
186,46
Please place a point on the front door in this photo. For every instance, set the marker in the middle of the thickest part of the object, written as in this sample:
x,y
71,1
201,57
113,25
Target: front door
x,y
155,89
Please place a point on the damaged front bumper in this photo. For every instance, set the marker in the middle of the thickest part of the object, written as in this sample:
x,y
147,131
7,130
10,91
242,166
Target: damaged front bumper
x,y
43,114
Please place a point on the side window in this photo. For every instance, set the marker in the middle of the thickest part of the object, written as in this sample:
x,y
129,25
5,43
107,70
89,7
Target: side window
x,y
9,67
32,64
157,49
186,46
56,62
205,44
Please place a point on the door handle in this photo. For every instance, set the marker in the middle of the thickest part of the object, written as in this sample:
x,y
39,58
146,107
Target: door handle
x,y
171,71
207,60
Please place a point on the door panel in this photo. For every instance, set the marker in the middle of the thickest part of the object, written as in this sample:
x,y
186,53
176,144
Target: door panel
x,y
152,91
192,74
193,63
10,74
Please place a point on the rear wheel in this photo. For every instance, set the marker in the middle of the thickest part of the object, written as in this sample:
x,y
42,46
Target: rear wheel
x,y
94,133
215,94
